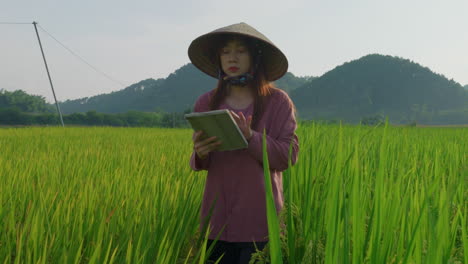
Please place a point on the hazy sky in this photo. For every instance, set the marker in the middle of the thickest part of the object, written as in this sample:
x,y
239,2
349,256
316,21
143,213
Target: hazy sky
x,y
135,40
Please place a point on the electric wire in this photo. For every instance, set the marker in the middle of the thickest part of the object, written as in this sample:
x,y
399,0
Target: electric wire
x,y
82,59
14,23
69,50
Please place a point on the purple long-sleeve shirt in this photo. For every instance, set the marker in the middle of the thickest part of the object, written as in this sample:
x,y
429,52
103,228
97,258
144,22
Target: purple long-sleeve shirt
x,y
235,178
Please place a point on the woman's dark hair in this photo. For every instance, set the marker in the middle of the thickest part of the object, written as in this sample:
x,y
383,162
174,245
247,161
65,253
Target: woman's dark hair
x,y
259,84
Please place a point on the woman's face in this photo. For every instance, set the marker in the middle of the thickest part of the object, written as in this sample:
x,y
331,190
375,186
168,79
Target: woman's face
x,y
235,58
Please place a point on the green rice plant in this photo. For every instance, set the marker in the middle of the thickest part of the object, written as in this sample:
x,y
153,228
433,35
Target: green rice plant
x,y
97,195
113,195
379,195
273,223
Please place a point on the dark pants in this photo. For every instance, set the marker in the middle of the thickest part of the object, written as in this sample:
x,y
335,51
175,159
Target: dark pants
x,y
234,252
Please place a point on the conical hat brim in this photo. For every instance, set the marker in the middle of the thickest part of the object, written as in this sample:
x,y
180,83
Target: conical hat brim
x,y
201,51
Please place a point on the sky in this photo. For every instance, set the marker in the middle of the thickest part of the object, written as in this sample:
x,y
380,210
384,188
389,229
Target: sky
x,y
130,41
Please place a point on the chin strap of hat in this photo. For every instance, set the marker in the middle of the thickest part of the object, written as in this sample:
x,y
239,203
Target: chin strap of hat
x,y
241,80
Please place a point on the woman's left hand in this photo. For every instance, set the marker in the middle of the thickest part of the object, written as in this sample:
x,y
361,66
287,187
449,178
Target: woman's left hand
x,y
244,124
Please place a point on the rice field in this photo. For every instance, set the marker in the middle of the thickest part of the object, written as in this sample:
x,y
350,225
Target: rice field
x,y
127,195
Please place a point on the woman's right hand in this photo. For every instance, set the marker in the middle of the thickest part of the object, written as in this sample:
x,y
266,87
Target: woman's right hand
x,y
204,146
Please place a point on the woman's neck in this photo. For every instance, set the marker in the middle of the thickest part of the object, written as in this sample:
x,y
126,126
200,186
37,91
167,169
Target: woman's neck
x,y
239,97
241,92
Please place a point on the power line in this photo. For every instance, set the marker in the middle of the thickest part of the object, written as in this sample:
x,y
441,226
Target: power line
x,y
83,60
69,50
14,23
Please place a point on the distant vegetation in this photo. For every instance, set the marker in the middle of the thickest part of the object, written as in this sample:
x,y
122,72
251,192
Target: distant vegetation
x,y
23,102
20,108
176,93
289,82
379,86
366,90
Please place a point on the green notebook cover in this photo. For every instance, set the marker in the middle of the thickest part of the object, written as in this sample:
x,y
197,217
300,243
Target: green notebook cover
x,y
221,124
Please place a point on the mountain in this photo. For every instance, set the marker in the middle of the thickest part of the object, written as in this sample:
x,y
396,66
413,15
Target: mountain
x,y
172,94
374,85
176,93
466,87
379,85
289,82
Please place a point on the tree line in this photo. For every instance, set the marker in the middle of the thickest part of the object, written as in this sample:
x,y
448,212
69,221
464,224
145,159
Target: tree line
x,y
14,116
23,102
20,108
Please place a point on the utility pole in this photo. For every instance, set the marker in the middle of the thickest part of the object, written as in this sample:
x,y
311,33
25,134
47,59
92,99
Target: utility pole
x,y
48,74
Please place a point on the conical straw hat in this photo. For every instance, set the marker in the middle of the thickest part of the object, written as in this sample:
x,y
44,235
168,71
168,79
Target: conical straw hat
x,y
202,51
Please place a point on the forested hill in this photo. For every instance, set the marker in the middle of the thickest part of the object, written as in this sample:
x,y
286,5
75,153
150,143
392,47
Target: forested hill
x,y
385,86
172,94
368,88
176,93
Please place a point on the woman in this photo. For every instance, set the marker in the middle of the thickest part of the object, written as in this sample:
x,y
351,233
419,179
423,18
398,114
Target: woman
x,y
245,63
